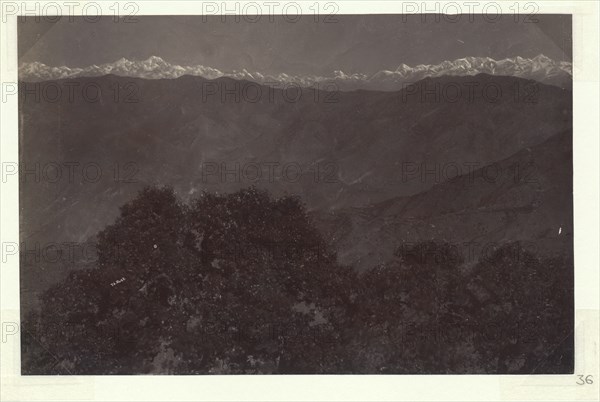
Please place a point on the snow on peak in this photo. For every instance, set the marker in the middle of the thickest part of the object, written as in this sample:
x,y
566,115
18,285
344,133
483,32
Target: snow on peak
x,y
540,68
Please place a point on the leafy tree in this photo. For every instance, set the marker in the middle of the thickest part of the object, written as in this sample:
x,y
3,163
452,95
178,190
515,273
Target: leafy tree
x,y
407,308
522,306
237,283
427,313
272,285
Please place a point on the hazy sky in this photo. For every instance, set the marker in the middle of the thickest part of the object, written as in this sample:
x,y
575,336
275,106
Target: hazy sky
x,y
364,44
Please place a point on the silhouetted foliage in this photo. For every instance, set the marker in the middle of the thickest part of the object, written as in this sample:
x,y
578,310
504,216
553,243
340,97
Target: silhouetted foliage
x,y
243,283
427,313
237,283
527,306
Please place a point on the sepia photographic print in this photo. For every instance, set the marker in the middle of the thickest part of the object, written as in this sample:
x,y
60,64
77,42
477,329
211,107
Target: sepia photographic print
x,y
322,193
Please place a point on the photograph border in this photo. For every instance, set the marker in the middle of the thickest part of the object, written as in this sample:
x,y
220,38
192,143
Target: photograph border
x,y
586,145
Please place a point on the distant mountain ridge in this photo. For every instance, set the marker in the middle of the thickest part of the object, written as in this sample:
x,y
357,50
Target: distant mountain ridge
x,y
539,68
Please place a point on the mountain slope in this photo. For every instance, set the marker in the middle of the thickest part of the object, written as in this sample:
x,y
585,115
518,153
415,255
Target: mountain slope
x,y
526,197
336,150
351,151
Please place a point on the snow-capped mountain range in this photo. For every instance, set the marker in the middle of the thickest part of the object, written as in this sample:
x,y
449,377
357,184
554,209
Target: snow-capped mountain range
x,y
540,68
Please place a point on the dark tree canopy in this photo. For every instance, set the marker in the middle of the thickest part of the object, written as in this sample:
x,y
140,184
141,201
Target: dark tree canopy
x,y
237,283
244,283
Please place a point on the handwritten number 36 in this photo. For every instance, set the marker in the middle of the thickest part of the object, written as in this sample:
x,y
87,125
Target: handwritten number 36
x,y
582,380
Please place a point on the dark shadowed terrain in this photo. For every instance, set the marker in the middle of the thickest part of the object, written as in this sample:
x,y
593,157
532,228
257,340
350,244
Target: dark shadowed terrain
x,y
444,209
